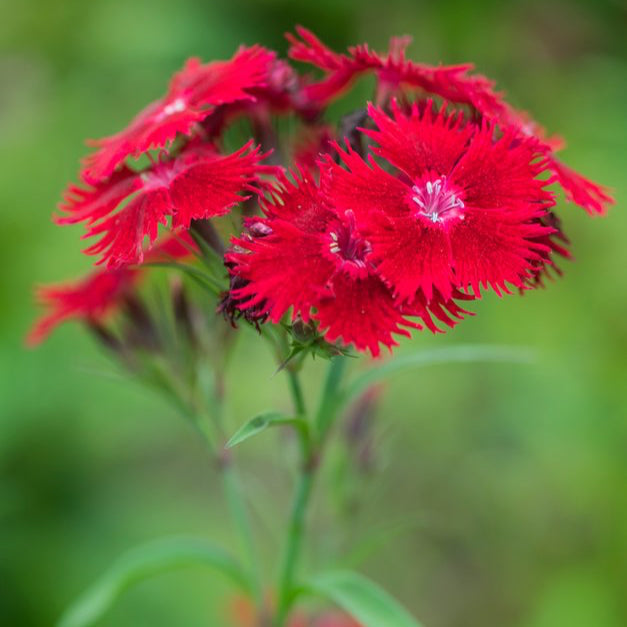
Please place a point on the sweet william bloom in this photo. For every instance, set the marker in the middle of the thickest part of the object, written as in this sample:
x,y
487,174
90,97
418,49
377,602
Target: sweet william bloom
x,y
129,207
193,94
313,259
393,71
396,75
462,210
91,299
95,297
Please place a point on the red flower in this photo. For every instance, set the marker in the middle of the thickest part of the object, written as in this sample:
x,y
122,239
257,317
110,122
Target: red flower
x,y
96,296
198,184
393,71
193,94
313,257
462,211
453,83
90,299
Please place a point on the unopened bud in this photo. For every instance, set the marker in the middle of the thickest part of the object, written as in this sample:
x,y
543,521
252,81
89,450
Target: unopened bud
x,y
303,332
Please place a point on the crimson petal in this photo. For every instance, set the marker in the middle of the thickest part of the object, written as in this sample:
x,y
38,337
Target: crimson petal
x,y
361,312
421,141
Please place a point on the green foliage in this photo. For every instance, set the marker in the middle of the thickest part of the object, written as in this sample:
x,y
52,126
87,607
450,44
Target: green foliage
x,y
144,562
261,422
361,598
437,356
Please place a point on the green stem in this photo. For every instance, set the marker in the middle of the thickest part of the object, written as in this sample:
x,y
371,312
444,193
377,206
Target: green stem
x,y
295,535
310,462
296,391
329,400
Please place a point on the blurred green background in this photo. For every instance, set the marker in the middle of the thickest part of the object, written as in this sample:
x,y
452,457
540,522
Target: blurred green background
x,y
500,494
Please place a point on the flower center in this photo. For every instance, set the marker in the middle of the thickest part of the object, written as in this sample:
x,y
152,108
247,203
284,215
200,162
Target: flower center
x,y
435,200
347,244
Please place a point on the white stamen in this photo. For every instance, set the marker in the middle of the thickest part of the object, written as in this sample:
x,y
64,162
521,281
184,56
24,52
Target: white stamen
x,y
435,200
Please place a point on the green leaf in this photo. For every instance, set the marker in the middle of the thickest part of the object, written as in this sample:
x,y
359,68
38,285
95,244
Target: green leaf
x,y
331,397
143,562
207,253
361,598
202,278
447,355
261,423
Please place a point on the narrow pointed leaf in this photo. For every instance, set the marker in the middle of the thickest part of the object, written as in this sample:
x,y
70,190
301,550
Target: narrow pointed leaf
x,y
144,562
207,253
202,278
361,598
261,423
468,353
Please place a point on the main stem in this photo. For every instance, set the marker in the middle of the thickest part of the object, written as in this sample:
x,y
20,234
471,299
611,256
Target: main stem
x,y
295,534
309,466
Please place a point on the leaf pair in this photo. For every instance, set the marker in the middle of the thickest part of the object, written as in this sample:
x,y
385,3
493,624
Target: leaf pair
x,y
364,600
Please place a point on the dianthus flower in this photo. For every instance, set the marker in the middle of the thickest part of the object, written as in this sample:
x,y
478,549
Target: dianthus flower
x,y
462,209
313,259
193,94
130,206
393,71
398,76
377,225
90,299
95,297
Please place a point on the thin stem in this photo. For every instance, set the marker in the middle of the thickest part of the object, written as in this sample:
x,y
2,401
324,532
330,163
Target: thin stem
x,y
310,463
296,391
295,535
329,399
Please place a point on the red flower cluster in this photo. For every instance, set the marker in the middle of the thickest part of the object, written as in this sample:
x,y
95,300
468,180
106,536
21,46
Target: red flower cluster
x,y
309,254
377,226
187,180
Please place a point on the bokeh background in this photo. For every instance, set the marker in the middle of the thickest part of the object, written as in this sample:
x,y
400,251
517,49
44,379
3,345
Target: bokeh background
x,y
499,496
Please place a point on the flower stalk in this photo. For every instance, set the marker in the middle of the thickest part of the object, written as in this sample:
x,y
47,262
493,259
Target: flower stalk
x,y
310,462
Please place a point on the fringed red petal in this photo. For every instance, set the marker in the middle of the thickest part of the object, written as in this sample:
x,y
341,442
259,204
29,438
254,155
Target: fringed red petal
x,y
194,92
423,140
90,299
361,312
127,209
